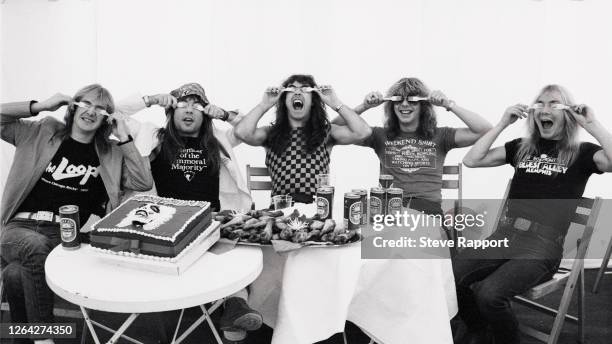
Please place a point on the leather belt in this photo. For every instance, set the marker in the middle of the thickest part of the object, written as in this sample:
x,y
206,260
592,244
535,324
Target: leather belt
x,y
526,225
38,216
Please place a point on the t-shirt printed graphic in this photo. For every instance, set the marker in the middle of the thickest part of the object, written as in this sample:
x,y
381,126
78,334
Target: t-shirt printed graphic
x,y
415,163
188,175
190,161
542,164
71,177
410,154
542,186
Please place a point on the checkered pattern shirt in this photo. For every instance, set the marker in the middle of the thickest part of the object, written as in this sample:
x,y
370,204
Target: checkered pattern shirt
x,y
293,172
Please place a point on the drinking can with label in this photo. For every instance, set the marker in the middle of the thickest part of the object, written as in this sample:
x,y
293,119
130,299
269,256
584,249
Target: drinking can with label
x,y
352,211
394,200
325,202
385,180
378,206
363,193
69,226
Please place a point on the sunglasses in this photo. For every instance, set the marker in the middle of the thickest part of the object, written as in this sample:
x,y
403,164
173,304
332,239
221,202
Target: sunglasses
x,y
557,106
90,107
196,106
409,99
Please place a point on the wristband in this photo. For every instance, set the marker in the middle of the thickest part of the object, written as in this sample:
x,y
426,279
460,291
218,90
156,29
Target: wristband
x,y
339,107
225,116
32,102
130,139
450,106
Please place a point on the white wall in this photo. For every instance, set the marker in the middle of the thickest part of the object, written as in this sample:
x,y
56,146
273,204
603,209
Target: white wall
x,y
484,54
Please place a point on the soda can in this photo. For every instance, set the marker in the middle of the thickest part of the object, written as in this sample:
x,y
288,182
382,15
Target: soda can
x,y
394,200
363,193
352,211
69,226
325,202
378,205
385,180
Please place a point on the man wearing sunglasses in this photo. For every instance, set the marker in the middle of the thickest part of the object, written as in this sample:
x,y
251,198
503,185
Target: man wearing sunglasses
x,y
57,164
192,159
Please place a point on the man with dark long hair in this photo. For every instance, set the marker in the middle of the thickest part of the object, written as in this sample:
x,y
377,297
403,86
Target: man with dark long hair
x,y
298,144
551,169
193,160
57,164
411,147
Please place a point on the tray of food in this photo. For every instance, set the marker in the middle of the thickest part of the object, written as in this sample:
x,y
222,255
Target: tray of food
x,y
280,229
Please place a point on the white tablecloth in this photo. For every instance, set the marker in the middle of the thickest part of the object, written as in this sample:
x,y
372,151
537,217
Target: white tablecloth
x,y
306,296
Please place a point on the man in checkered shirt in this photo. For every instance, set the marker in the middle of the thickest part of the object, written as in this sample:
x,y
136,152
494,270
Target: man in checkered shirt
x,y
298,143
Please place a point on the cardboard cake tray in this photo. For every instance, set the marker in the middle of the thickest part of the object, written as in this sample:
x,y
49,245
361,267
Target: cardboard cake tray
x,y
186,258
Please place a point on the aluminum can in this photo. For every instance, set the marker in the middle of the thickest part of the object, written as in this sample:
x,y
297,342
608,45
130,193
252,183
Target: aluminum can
x,y
325,202
363,193
394,200
385,180
378,204
69,226
352,211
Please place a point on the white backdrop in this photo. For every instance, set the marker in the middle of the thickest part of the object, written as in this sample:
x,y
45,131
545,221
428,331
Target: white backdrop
x,y
484,54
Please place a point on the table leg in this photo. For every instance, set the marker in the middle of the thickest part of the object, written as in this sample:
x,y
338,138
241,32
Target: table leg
x,y
90,325
201,319
123,327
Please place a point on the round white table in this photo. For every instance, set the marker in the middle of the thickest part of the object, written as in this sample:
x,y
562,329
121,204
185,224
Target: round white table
x,y
85,278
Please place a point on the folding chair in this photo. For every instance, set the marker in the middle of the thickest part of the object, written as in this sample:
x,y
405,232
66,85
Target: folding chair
x,y
263,185
453,184
586,215
604,265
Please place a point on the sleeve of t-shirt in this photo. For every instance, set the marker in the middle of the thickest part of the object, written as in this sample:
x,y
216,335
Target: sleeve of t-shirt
x,y
511,149
378,134
448,138
585,157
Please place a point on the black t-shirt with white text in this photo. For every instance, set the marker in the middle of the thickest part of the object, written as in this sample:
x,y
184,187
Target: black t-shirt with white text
x,y
188,176
555,185
72,177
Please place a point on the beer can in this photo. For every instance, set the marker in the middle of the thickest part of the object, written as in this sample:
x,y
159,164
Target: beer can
x,y
394,200
378,205
325,202
352,210
385,180
363,193
69,226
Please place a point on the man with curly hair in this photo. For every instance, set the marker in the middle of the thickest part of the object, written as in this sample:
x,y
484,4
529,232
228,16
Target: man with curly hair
x,y
298,144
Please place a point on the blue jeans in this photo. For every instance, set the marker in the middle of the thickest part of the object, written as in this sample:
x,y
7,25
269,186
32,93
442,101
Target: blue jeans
x,y
25,246
486,280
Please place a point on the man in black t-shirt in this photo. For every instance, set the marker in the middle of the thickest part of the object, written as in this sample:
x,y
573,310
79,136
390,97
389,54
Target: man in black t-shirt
x,y
551,172
186,165
57,164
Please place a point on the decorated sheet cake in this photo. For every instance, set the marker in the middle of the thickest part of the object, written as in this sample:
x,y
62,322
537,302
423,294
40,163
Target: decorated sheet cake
x,y
152,226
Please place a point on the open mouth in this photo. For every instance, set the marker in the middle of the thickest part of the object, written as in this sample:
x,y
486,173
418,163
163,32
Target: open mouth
x,y
405,111
188,120
297,103
546,123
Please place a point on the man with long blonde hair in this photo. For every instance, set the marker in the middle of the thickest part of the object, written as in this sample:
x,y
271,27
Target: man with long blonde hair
x,y
55,164
551,171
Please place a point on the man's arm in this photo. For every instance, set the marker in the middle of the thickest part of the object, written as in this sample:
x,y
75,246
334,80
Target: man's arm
x,y
355,130
136,170
476,124
247,130
481,154
586,118
10,113
371,100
